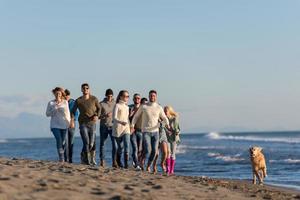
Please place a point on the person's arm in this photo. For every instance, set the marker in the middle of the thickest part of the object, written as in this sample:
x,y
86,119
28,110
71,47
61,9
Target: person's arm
x,y
136,116
163,116
67,113
176,126
74,110
98,108
115,116
50,110
101,115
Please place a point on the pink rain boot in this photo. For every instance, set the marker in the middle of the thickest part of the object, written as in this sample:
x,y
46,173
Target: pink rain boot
x,y
168,162
172,168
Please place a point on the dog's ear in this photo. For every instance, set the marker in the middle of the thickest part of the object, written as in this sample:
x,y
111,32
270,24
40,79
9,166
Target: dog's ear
x,y
259,149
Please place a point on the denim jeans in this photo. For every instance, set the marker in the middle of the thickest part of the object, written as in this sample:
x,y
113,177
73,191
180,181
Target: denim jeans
x,y
60,137
104,132
151,141
69,145
122,143
137,144
88,136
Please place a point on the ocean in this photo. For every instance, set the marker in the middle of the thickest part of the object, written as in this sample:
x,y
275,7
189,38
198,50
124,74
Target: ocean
x,y
218,155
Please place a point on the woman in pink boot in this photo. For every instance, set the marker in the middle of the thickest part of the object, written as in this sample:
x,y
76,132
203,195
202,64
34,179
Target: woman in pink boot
x,y
173,138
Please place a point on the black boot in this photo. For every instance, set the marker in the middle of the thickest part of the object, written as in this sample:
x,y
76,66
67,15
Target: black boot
x,y
114,161
126,160
120,164
83,158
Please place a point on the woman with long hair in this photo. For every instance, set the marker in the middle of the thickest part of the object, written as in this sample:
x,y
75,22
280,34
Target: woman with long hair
x,y
173,134
121,128
58,110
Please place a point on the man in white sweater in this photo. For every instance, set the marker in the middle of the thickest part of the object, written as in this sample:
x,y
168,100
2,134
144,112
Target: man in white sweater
x,y
150,114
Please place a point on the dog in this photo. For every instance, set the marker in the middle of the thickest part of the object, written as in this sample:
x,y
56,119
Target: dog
x,y
258,162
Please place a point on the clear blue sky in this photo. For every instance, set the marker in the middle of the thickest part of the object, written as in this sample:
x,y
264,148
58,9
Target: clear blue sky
x,y
221,64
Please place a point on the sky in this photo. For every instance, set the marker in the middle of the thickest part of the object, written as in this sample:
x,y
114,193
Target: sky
x,y
223,65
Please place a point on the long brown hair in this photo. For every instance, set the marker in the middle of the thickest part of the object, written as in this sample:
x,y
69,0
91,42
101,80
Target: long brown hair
x,y
121,93
59,89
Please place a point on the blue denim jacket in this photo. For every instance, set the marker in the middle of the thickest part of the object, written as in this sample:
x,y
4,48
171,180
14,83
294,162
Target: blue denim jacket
x,y
71,106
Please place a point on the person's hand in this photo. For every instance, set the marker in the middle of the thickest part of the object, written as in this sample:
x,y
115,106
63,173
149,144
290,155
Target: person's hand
x,y
132,130
109,114
124,123
168,127
169,132
95,118
72,123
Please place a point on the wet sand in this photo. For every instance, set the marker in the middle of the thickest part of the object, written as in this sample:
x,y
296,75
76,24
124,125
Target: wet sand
x,y
22,179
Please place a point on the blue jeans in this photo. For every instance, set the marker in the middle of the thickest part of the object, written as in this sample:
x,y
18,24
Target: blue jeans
x,y
69,145
151,141
104,132
60,137
137,144
88,136
122,144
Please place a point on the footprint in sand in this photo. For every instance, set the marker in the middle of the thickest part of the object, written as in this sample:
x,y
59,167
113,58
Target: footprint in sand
x,y
128,187
97,191
157,187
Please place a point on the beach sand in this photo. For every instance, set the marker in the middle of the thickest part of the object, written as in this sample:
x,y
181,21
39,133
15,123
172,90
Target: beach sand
x,y
28,179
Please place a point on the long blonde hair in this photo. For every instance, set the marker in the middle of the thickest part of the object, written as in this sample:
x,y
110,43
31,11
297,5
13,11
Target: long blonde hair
x,y
171,111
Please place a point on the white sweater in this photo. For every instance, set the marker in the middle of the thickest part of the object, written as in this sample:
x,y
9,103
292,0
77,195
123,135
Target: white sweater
x,y
120,115
59,113
150,114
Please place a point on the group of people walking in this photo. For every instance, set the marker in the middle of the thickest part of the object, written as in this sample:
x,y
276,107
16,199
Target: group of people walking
x,y
141,130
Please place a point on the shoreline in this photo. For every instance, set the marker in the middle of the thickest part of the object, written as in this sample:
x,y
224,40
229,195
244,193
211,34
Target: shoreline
x,y
35,179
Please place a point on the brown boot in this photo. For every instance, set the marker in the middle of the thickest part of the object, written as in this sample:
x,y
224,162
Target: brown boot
x,y
118,158
93,158
102,163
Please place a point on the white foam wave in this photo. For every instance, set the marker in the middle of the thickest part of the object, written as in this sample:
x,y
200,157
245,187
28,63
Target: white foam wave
x,y
200,147
3,141
218,136
180,150
290,161
225,158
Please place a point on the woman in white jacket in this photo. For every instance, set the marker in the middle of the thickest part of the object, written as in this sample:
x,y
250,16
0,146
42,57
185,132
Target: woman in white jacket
x,y
58,110
121,128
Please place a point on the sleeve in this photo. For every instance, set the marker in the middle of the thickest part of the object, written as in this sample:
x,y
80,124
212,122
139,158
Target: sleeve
x,y
98,108
50,110
176,126
136,116
102,114
115,115
74,110
163,116
67,111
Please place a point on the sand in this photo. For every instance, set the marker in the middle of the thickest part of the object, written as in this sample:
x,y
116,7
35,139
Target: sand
x,y
30,180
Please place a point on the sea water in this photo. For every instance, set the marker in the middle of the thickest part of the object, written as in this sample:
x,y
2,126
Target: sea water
x,y
218,155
